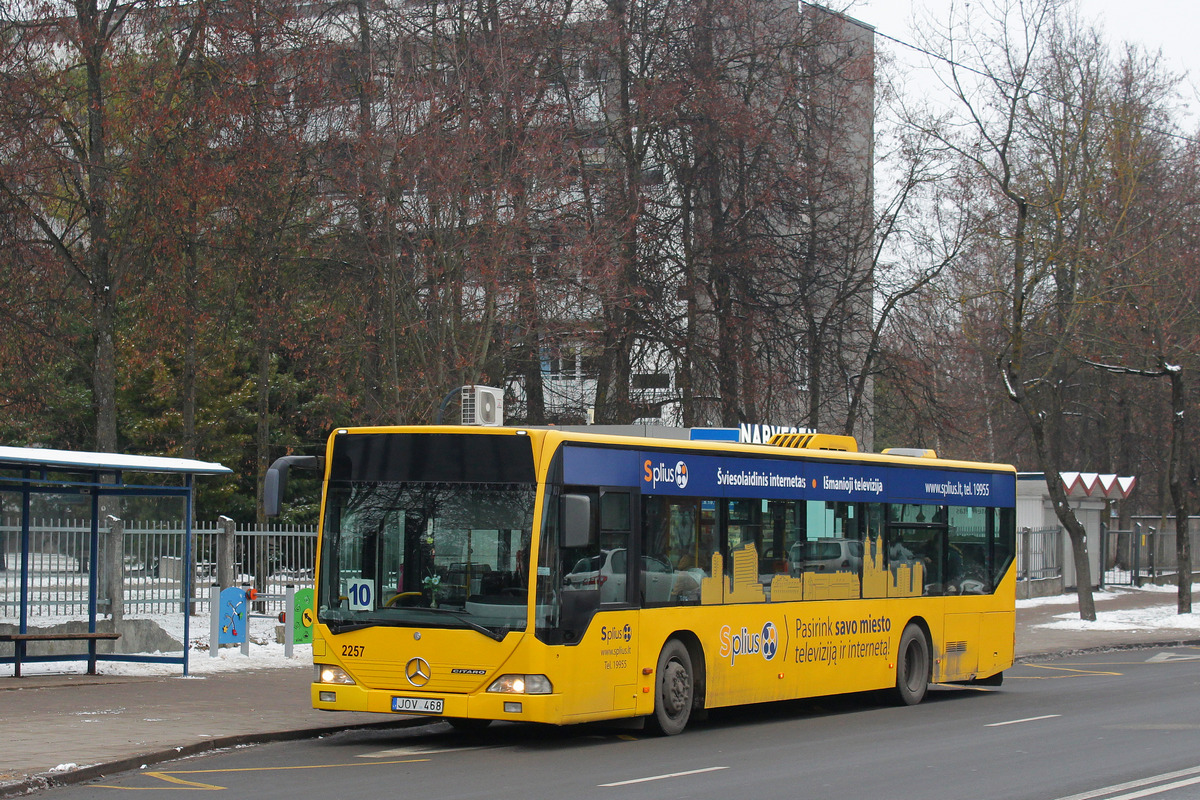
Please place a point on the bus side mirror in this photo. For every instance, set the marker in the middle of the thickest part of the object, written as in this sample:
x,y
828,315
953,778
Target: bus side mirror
x,y
275,481
575,529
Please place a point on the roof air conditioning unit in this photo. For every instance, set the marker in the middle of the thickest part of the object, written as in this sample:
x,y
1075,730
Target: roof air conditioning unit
x,y
482,405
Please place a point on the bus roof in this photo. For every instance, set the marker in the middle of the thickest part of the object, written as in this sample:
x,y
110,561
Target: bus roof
x,y
707,446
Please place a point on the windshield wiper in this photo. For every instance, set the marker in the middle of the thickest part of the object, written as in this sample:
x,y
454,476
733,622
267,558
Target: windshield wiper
x,y
357,625
475,626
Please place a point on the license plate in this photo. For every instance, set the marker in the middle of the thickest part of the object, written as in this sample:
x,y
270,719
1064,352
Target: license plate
x,y
417,705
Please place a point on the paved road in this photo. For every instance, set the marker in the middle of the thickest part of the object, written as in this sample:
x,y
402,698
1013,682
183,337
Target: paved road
x,y
1110,726
57,729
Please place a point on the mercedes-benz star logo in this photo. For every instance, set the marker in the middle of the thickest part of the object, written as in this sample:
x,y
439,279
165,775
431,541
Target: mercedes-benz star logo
x,y
417,671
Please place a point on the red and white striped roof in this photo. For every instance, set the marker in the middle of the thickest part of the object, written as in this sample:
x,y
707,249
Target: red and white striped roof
x,y
1093,484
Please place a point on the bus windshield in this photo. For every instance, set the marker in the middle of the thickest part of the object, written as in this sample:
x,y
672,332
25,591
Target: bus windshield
x,y
433,554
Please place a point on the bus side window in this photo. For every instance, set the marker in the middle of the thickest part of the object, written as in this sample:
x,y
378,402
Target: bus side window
x,y
614,546
677,548
875,572
1003,530
831,560
744,544
603,566
967,553
787,536
920,551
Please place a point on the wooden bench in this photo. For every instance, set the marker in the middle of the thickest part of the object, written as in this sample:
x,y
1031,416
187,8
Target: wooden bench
x,y
19,641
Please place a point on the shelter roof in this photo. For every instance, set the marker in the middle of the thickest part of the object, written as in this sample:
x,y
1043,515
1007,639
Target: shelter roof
x,y
44,458
1091,484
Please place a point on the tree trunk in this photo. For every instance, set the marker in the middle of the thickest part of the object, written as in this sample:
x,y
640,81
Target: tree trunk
x,y
191,313
1048,454
1183,542
1075,530
104,289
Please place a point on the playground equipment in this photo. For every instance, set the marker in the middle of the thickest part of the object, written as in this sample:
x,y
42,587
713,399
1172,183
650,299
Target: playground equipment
x,y
231,615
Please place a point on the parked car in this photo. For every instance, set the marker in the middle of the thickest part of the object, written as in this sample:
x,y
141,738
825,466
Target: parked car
x,y
827,555
605,572
608,572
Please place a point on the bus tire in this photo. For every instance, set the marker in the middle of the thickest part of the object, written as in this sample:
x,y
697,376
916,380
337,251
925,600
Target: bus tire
x,y
674,689
912,666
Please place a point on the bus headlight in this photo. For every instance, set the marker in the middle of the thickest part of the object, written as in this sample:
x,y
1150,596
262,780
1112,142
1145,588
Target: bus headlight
x,y
328,673
521,684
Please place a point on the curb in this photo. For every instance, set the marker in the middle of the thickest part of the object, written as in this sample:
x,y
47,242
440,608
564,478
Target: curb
x,y
1107,648
48,780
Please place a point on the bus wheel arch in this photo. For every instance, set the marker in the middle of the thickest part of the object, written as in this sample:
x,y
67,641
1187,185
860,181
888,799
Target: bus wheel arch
x,y
679,683
914,663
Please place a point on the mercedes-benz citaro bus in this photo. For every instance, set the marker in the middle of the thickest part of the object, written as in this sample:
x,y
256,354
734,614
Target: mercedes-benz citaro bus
x,y
536,575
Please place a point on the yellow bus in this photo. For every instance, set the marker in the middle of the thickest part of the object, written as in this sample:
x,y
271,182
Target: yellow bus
x,y
536,575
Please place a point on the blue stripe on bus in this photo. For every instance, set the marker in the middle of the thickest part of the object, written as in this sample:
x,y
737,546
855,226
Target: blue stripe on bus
x,y
692,475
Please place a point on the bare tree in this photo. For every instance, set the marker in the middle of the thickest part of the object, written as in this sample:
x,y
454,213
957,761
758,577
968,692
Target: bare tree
x,y
69,149
1030,125
1150,326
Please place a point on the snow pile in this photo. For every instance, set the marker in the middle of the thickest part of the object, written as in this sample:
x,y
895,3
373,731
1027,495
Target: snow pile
x,y
1159,616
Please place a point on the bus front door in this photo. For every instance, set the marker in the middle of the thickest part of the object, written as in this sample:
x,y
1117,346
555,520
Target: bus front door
x,y
603,672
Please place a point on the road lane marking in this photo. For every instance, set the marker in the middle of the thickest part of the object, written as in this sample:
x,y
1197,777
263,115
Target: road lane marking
x,y
180,784
1167,657
1073,672
1192,775
661,777
1157,789
418,750
170,776
1019,721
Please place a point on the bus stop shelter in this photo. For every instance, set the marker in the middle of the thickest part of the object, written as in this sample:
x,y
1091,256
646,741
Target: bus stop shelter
x,y
91,477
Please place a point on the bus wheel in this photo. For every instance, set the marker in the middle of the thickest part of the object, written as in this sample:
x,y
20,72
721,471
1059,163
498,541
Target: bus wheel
x,y
912,666
464,725
674,689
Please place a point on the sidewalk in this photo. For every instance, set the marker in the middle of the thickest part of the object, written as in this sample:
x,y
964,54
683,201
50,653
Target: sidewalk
x,y
1134,617
70,728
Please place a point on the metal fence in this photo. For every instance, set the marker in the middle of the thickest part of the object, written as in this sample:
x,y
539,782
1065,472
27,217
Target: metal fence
x,y
1039,554
1146,553
1121,554
274,557
152,565
1141,555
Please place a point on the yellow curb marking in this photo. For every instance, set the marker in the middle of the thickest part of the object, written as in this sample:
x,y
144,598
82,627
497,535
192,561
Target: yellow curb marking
x,y
1074,673
170,776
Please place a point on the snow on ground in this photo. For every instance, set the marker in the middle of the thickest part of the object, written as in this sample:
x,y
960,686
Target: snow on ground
x,y
266,653
1132,619
1161,616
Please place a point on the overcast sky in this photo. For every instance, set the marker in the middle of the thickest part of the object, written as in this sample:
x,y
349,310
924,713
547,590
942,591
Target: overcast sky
x,y
1171,25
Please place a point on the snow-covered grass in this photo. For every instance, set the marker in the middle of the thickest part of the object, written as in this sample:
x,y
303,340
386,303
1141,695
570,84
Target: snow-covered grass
x,y
265,653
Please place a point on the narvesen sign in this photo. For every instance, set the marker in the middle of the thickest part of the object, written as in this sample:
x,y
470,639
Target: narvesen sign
x,y
761,434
